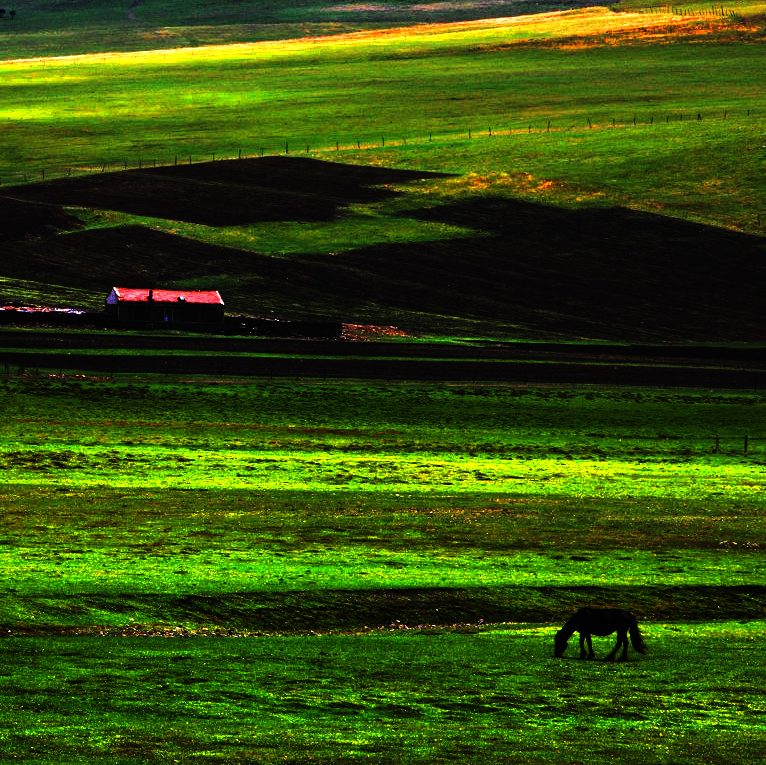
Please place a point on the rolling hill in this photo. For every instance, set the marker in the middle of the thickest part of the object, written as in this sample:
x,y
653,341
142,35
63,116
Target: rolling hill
x,y
44,28
499,177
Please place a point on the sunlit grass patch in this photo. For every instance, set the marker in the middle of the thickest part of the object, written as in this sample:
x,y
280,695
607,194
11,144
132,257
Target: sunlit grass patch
x,y
358,226
159,466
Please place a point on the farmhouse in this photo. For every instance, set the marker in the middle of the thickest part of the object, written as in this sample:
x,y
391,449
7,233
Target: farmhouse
x,y
178,309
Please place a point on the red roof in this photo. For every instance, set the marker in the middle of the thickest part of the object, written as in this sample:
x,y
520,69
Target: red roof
x,y
128,295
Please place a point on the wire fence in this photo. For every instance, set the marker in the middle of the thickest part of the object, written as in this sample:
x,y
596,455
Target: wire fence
x,y
296,147
715,11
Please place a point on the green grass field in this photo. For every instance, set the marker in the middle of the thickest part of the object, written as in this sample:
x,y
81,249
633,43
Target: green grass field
x,y
82,112
362,572
492,696
528,120
238,570
277,486
42,28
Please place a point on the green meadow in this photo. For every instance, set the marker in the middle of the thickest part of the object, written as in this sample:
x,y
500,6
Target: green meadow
x,y
527,120
235,570
420,697
338,571
333,486
42,28
567,125
653,111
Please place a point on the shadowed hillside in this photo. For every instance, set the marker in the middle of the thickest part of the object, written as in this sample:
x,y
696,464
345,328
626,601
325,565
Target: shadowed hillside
x,y
227,193
531,270
101,258
19,219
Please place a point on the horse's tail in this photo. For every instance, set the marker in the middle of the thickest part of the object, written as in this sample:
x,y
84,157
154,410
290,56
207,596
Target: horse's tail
x,y
636,639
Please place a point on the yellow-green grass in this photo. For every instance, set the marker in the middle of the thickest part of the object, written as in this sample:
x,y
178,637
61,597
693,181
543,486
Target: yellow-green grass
x,y
424,611
399,436
44,28
32,292
427,86
333,487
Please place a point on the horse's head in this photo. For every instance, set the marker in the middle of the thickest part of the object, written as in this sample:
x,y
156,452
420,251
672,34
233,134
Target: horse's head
x,y
560,643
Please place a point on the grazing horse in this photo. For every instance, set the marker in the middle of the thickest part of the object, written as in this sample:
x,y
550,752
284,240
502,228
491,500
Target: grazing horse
x,y
600,621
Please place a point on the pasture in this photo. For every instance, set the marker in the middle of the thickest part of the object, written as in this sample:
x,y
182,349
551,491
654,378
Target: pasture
x,y
318,570
513,153
429,696
566,121
210,569
332,487
42,28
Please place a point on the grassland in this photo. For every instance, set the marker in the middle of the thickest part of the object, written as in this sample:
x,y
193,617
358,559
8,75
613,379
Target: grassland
x,y
82,109
42,28
494,697
316,570
680,139
334,486
363,571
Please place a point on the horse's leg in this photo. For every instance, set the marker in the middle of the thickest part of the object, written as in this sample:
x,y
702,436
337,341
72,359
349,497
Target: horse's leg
x,y
620,637
622,641
624,654
585,638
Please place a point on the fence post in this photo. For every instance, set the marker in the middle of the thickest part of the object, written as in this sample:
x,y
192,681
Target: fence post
x,y
717,447
746,444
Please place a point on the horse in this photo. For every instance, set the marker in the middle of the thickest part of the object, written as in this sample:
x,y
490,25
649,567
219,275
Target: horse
x,y
600,621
